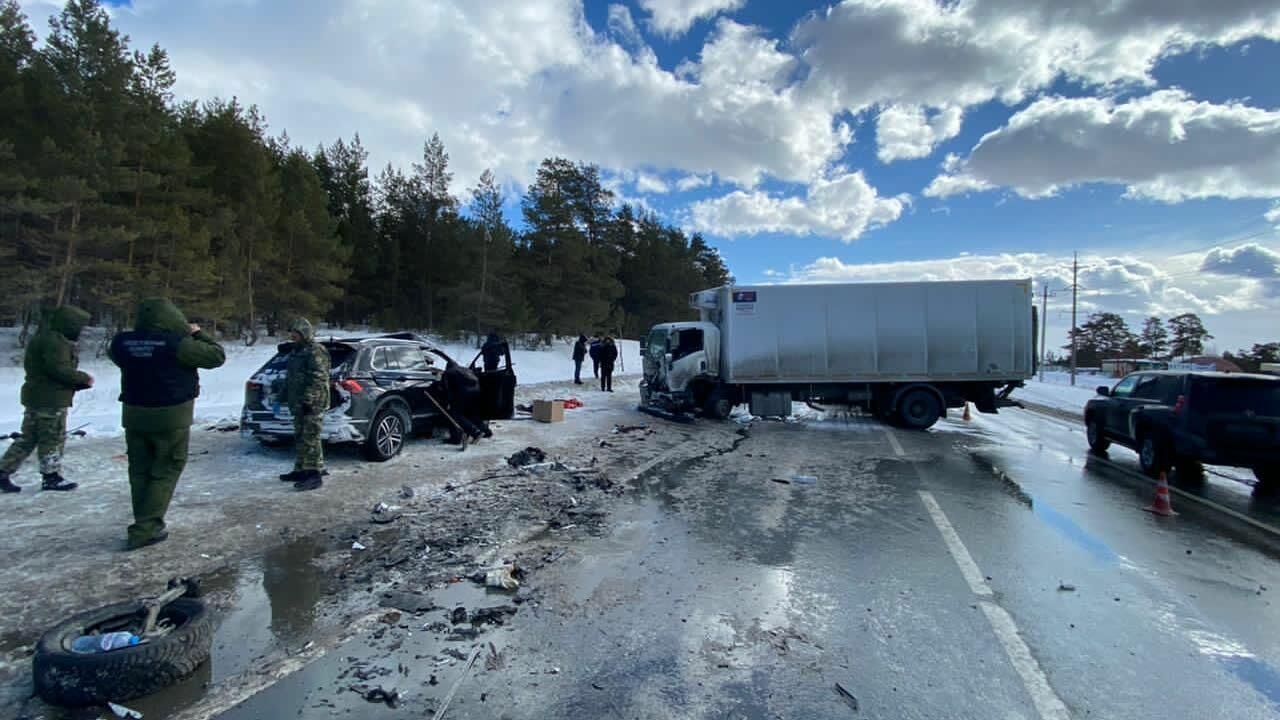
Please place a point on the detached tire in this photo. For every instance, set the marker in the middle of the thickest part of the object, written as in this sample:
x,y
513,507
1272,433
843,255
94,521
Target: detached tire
x,y
717,405
919,409
63,677
390,428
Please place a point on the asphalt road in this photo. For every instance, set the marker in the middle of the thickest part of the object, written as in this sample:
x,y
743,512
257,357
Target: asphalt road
x,y
985,570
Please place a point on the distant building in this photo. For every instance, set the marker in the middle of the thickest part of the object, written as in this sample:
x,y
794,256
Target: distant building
x,y
1271,368
1123,366
1205,362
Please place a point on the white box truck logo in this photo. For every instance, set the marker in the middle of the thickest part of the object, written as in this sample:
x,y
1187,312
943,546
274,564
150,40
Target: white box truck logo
x,y
744,302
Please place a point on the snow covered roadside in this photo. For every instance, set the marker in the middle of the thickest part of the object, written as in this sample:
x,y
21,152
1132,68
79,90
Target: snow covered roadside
x,y
1057,392
222,390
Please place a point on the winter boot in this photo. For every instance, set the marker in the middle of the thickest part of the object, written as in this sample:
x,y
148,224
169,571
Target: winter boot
x,y
6,485
153,540
54,481
292,476
308,480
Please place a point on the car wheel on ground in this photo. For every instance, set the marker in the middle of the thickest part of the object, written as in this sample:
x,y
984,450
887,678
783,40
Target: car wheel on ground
x,y
1153,454
64,677
717,406
1098,441
387,433
919,409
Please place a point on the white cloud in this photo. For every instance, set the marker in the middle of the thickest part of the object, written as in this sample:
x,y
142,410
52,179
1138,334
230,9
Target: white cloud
x,y
693,182
1273,215
904,132
624,26
1248,260
675,17
845,206
1239,311
647,183
1164,146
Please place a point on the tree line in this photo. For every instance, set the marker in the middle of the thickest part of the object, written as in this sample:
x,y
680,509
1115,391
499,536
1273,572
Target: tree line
x,y
111,191
1107,336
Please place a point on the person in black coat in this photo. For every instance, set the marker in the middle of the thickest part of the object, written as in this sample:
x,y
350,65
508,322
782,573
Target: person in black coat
x,y
593,349
493,350
463,390
608,357
579,354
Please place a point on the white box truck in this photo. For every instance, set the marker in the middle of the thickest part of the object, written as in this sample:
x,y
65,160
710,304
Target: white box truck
x,y
903,351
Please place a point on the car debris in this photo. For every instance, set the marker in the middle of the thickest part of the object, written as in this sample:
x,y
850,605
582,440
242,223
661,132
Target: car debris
x,y
493,615
1066,587
121,711
358,546
383,513
390,698
503,578
527,456
848,697
458,616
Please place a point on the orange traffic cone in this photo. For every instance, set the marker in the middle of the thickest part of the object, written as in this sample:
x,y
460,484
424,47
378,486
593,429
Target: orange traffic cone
x,y
1161,505
966,417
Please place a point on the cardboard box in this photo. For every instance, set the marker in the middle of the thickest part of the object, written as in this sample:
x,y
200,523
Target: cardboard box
x,y
548,411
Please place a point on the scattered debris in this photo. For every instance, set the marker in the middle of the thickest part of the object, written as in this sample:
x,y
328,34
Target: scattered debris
x,y
406,492
1066,587
444,705
410,602
390,618
458,616
121,711
455,654
463,634
357,546
573,404
503,578
390,698
618,429
494,660
554,671
398,554
804,479
383,513
847,697
527,456
781,481
493,615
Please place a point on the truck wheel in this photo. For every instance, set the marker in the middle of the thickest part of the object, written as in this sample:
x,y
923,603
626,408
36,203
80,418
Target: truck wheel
x,y
919,409
1097,438
63,677
717,406
1153,454
387,433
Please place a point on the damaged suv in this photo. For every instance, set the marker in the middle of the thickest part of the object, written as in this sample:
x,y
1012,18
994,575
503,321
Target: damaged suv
x,y
384,389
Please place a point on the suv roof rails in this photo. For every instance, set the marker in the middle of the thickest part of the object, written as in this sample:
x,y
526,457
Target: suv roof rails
x,y
387,336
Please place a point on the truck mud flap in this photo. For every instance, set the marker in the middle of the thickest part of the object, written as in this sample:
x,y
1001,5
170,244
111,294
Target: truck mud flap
x,y
665,414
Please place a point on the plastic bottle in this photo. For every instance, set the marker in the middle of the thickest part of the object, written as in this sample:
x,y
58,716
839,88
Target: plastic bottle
x,y
88,644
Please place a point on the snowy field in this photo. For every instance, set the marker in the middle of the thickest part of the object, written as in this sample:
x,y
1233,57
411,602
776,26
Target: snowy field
x,y
222,390
1056,390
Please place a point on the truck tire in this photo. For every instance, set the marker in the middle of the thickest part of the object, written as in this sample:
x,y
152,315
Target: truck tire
x,y
391,426
63,677
1096,436
919,409
717,405
1153,454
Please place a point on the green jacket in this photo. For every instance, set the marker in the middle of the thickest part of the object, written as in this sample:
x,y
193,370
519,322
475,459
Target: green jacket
x,y
51,361
307,381
194,351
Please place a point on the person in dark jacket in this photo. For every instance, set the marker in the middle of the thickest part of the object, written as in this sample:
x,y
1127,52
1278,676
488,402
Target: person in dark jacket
x,y
608,357
593,349
462,387
493,350
159,384
307,389
53,378
579,354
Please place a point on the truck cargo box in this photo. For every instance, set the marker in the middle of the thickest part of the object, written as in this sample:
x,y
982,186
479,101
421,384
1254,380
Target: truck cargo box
x,y
873,332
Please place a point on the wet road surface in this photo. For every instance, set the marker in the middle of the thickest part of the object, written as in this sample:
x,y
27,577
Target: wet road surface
x,y
981,570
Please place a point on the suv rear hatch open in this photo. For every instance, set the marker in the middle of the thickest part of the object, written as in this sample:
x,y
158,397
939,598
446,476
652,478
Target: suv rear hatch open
x,y
265,391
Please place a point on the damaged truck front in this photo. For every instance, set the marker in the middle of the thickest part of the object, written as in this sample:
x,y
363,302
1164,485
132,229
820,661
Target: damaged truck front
x,y
905,352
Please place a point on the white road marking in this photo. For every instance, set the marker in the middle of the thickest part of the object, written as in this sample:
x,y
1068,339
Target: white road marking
x,y
1047,702
893,442
968,568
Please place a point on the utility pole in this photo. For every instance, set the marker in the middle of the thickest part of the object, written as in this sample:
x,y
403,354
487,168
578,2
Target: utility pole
x,y
1075,286
1044,321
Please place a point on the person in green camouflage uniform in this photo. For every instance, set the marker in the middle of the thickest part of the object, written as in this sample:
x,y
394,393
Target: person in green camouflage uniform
x,y
53,379
159,383
307,394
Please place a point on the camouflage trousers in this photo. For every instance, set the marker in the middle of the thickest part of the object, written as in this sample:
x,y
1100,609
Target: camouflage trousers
x,y
306,433
43,430
156,461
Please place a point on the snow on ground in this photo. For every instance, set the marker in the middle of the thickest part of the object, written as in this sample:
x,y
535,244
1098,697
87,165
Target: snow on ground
x,y
222,390
1057,392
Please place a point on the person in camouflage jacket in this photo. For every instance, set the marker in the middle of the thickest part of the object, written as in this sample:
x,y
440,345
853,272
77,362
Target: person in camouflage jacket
x,y
307,394
53,379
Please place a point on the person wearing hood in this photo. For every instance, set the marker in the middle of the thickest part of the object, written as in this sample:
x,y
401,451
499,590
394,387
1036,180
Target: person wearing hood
x,y
307,392
53,378
493,350
579,355
608,356
159,362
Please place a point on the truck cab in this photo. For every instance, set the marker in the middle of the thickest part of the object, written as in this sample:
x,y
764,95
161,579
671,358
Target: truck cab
x,y
681,365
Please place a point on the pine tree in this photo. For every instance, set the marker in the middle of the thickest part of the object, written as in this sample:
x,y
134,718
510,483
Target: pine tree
x,y
1188,335
1153,343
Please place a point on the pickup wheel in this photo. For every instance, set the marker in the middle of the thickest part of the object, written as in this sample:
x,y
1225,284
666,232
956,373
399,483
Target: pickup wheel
x,y
1153,454
387,433
919,409
717,405
1097,437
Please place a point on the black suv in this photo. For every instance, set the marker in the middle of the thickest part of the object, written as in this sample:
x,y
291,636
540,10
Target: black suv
x,y
1181,419
378,397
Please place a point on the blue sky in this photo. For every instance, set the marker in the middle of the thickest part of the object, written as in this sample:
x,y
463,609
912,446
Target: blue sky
x,y
820,141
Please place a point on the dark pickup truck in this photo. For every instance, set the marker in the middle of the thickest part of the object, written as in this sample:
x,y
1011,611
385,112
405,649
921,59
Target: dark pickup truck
x,y
1182,419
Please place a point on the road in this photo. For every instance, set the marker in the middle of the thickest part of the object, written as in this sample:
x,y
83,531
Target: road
x,y
980,570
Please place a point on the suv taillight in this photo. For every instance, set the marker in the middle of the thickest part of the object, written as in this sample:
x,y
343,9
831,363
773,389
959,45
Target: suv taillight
x,y
1180,405
351,386
253,387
